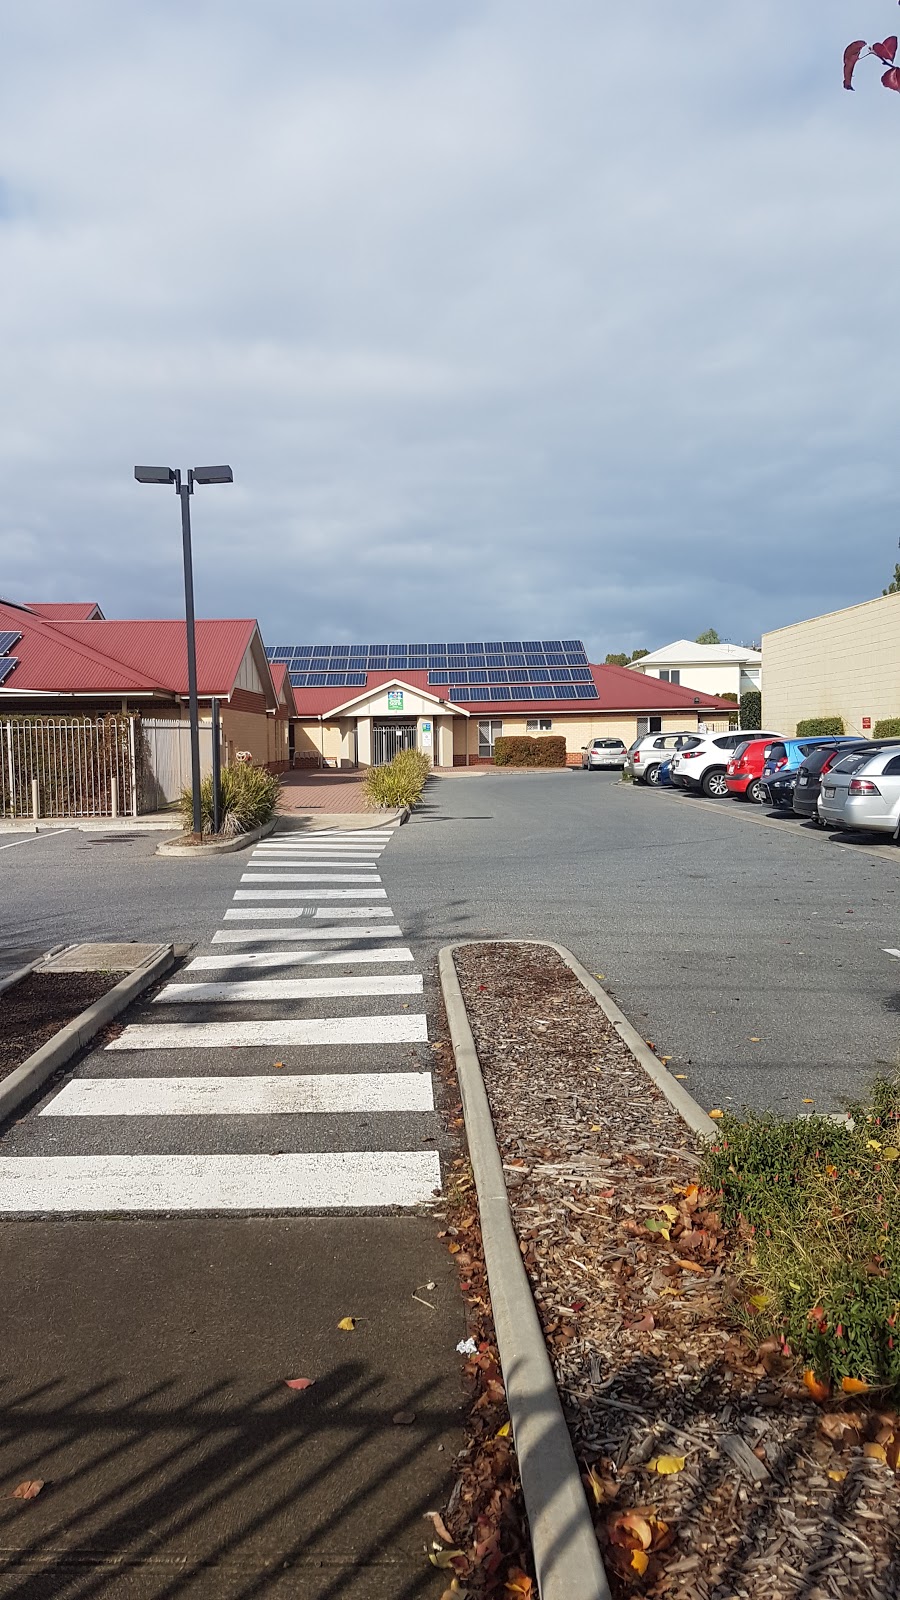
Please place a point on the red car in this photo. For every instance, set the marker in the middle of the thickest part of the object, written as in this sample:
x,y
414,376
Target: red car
x,y
744,770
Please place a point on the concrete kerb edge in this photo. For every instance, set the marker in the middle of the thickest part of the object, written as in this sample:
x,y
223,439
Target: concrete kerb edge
x,y
219,847
43,1063
566,1554
12,978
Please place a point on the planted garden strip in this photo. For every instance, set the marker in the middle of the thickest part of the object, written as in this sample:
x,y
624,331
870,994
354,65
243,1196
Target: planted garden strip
x,y
42,1003
711,1466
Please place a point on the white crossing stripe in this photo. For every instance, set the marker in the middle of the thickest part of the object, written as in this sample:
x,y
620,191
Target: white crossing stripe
x,y
280,863
243,935
326,848
310,877
259,913
892,952
270,960
249,989
313,1030
310,1094
308,894
337,1181
332,912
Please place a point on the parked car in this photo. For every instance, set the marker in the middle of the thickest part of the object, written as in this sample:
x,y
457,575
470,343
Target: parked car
x,y
863,791
603,754
702,769
743,773
647,754
664,775
784,760
813,768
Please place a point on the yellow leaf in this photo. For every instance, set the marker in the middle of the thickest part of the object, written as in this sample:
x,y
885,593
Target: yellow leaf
x,y
666,1464
793,1285
347,1324
681,1075
890,1154
599,974
640,1561
444,1558
837,1477
717,1113
753,1038
596,1483
872,1144
503,1433
671,1212
760,1301
519,1583
854,1386
596,1127
809,1102
875,1452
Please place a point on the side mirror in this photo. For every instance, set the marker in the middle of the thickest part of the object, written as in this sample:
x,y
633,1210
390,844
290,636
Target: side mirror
x,y
584,747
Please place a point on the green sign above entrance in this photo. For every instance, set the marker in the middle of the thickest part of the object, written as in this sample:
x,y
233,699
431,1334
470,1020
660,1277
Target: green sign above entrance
x,y
395,699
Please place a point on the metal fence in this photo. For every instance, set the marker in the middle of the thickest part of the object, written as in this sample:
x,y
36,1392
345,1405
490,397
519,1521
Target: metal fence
x,y
165,759
68,767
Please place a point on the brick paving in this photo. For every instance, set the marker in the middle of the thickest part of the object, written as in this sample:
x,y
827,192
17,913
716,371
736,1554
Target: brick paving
x,y
321,791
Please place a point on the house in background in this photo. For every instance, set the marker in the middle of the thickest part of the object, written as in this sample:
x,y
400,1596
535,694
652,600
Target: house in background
x,y
844,664
713,668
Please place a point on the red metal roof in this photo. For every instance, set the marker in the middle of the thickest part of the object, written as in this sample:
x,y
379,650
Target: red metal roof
x,y
63,611
618,690
284,689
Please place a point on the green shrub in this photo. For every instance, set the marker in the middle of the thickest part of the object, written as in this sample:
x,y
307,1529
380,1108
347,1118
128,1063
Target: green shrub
x,y
729,696
819,725
521,750
887,728
249,796
550,750
817,1207
399,782
751,708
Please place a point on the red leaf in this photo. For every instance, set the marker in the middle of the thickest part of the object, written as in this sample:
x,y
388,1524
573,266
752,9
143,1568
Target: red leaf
x,y
299,1383
851,56
891,79
887,50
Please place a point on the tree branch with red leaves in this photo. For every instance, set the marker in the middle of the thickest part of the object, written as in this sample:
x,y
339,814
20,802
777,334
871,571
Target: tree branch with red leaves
x,y
886,51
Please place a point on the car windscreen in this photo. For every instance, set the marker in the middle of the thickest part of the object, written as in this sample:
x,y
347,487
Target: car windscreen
x,y
686,742
776,752
851,763
815,761
739,749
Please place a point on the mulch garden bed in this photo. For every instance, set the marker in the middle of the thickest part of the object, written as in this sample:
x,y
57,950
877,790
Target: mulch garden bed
x,y
712,1472
32,1011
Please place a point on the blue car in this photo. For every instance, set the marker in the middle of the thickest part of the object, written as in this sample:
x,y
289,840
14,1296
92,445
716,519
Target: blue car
x,y
664,774
779,773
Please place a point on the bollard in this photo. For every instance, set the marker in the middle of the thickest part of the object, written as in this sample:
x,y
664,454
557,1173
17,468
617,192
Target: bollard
x,y
114,796
35,799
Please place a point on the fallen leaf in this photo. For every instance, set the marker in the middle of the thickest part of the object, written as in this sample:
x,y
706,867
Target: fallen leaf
x,y
653,1225
842,1428
279,1063
808,1102
645,1325
716,1114
502,1433
671,1212
855,1386
29,1490
596,1127
347,1324
299,1383
519,1583
872,1144
631,1530
640,1561
665,1465
753,1038
444,1558
890,1154
875,1452
760,1301
819,1390
681,1075
402,1419
836,1476
439,1525
691,1266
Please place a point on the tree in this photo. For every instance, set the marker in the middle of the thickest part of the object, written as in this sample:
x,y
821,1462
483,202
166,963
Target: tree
x,y
709,637
894,585
886,51
620,659
638,655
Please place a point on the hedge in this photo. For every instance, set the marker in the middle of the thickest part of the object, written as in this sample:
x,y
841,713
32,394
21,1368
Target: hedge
x,y
751,709
521,750
814,726
888,728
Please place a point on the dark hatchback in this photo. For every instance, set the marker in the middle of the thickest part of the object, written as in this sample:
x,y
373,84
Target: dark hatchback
x,y
810,772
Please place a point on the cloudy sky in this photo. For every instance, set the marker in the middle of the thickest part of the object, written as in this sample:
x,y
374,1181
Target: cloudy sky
x,y
512,318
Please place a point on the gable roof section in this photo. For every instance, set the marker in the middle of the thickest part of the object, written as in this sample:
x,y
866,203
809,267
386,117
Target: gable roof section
x,y
63,611
708,655
284,689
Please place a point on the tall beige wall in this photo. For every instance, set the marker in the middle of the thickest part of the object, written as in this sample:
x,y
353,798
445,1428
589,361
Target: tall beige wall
x,y
844,664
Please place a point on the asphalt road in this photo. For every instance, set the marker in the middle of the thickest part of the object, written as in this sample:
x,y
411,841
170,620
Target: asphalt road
x,y
749,950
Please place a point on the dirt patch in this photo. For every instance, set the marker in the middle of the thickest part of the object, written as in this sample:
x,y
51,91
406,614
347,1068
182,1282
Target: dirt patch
x,y
704,1457
32,1011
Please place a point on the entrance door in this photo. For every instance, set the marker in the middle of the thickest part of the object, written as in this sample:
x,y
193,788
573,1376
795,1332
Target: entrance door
x,y
388,738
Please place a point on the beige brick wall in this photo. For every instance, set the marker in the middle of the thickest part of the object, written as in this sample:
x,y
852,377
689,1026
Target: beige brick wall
x,y
844,664
245,730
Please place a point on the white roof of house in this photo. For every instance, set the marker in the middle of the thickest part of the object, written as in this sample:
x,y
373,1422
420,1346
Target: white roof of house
x,y
711,655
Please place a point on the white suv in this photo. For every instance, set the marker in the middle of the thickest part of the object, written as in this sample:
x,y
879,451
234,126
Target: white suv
x,y
703,768
647,755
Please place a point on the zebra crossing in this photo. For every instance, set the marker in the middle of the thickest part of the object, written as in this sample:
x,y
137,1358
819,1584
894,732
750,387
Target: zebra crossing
x,y
282,1069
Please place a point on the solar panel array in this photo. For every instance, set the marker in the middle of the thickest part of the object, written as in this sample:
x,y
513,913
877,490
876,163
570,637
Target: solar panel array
x,y
8,663
499,669
7,640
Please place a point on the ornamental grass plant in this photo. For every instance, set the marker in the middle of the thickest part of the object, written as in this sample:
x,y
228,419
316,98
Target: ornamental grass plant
x,y
815,1205
399,782
249,796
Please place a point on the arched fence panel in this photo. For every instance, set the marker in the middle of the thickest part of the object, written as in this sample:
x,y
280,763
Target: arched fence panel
x,y
69,766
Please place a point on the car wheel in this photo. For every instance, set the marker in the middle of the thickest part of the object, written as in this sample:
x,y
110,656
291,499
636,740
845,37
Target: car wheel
x,y
715,784
651,776
754,792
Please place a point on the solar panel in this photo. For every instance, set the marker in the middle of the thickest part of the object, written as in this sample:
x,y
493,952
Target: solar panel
x,y
8,665
514,665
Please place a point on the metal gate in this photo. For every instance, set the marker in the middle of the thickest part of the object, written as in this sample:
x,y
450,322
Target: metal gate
x,y
389,738
68,766
166,764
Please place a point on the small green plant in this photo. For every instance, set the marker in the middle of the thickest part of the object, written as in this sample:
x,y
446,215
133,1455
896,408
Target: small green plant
x,y
819,725
887,728
751,708
522,750
248,797
816,1207
399,782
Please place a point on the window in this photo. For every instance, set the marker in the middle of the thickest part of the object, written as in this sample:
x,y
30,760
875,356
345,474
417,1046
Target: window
x,y
647,725
671,675
538,725
487,733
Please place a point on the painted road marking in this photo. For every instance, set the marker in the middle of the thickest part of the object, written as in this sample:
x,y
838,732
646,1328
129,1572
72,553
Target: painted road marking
x,y
259,913
331,912
310,877
311,1094
35,837
327,847
280,863
244,935
270,960
240,991
313,1030
359,1179
893,953
308,894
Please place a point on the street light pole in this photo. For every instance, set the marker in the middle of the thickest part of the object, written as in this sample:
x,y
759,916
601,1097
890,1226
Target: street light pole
x,y
184,488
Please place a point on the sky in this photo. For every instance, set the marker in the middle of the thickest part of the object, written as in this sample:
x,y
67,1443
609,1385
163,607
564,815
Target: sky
x,y
513,319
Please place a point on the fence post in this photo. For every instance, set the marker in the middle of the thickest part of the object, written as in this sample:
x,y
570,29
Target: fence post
x,y
12,773
35,799
114,795
133,753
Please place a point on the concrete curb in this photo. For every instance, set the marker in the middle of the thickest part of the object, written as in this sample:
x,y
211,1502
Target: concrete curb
x,y
566,1553
42,1064
311,822
220,847
12,978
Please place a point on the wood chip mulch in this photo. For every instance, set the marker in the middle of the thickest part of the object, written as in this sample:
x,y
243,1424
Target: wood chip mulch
x,y
706,1461
32,1011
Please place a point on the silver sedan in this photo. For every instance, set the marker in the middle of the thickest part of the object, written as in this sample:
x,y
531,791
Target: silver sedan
x,y
863,791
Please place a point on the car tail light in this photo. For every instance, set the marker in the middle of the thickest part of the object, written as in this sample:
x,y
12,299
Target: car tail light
x,y
689,755
637,757
781,763
863,786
